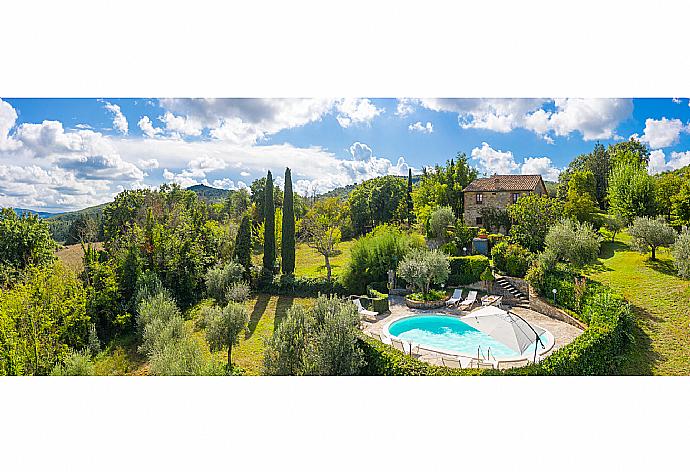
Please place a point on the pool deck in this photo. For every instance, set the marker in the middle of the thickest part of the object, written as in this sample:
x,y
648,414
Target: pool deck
x,y
562,332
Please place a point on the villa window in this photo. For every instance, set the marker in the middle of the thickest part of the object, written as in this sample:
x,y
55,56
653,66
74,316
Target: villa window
x,y
479,220
515,197
479,198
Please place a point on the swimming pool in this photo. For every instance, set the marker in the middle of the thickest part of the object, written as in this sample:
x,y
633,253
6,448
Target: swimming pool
x,y
449,334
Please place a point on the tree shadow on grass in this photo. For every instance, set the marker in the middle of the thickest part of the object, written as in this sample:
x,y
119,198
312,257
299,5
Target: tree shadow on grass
x,y
608,249
257,312
282,306
640,357
663,266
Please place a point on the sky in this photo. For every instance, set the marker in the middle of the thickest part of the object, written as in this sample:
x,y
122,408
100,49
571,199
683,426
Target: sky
x,y
67,154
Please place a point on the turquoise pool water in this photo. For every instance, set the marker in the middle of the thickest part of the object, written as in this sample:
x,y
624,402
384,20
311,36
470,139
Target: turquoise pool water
x,y
450,334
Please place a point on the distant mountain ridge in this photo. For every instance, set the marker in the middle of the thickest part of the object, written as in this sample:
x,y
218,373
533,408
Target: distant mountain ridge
x,y
41,214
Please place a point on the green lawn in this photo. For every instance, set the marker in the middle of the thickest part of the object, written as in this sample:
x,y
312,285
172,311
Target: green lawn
x,y
661,303
309,263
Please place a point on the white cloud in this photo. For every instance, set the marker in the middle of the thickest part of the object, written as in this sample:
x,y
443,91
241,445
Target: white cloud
x,y
8,117
419,127
594,118
491,161
352,111
149,163
179,126
542,166
360,151
146,126
119,120
405,107
658,163
227,184
662,133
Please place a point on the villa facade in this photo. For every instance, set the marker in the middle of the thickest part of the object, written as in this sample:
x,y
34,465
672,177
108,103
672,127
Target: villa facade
x,y
498,192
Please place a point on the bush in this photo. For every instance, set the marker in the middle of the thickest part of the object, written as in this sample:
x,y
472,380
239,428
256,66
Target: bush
x,y
465,270
573,242
238,292
76,363
220,278
464,235
373,255
681,254
439,221
378,301
430,296
303,286
511,259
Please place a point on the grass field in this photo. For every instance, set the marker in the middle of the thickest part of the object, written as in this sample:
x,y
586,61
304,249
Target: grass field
x,y
309,263
73,256
661,303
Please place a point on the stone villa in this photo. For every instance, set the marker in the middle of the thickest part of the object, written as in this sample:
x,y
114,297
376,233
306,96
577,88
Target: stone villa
x,y
499,192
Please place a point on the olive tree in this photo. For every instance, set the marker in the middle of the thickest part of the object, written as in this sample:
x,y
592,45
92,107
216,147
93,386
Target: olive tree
x,y
439,221
614,224
681,254
422,267
224,328
321,228
573,242
651,233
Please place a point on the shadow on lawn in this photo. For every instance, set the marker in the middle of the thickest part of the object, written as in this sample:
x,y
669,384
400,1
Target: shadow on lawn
x,y
282,306
608,249
257,312
663,266
640,358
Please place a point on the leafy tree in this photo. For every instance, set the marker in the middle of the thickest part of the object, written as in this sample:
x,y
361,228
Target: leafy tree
x,y
258,198
440,220
224,329
422,267
378,201
650,234
631,151
533,216
598,163
680,205
243,245
511,259
681,254
42,317
614,224
84,229
495,219
24,240
220,278
580,206
269,228
573,242
373,255
237,203
287,246
666,186
321,228
410,203
320,341
631,191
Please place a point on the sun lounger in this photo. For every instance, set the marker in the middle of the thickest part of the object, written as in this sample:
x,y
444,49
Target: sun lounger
x,y
456,298
481,364
470,300
363,312
385,339
451,362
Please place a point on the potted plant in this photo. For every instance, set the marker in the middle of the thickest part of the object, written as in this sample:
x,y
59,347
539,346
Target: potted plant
x,y
483,234
421,268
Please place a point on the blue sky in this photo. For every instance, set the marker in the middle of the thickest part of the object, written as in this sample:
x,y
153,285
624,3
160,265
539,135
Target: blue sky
x,y
64,154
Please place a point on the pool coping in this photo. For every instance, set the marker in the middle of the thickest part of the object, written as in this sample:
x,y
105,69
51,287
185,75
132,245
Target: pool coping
x,y
551,340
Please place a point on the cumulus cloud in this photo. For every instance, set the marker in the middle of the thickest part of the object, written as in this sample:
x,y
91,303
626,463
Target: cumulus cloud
x,y
662,133
491,161
428,128
119,120
149,163
146,126
8,117
179,126
594,118
352,111
658,163
405,107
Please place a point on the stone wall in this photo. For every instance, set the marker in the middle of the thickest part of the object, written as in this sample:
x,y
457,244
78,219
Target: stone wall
x,y
520,284
540,305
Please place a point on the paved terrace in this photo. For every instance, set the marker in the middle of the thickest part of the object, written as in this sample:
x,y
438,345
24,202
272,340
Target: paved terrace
x,y
562,332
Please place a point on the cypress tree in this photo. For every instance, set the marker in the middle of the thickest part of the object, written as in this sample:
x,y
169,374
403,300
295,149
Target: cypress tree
x,y
410,214
243,245
287,248
269,227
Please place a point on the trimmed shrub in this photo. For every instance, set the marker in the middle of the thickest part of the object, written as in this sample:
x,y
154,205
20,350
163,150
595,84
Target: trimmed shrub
x,y
378,301
465,270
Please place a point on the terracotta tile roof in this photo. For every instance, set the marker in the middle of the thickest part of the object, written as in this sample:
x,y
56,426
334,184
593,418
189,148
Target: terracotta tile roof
x,y
504,183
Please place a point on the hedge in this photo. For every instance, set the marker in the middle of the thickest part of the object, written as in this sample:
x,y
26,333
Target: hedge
x,y
465,270
597,351
378,301
302,286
